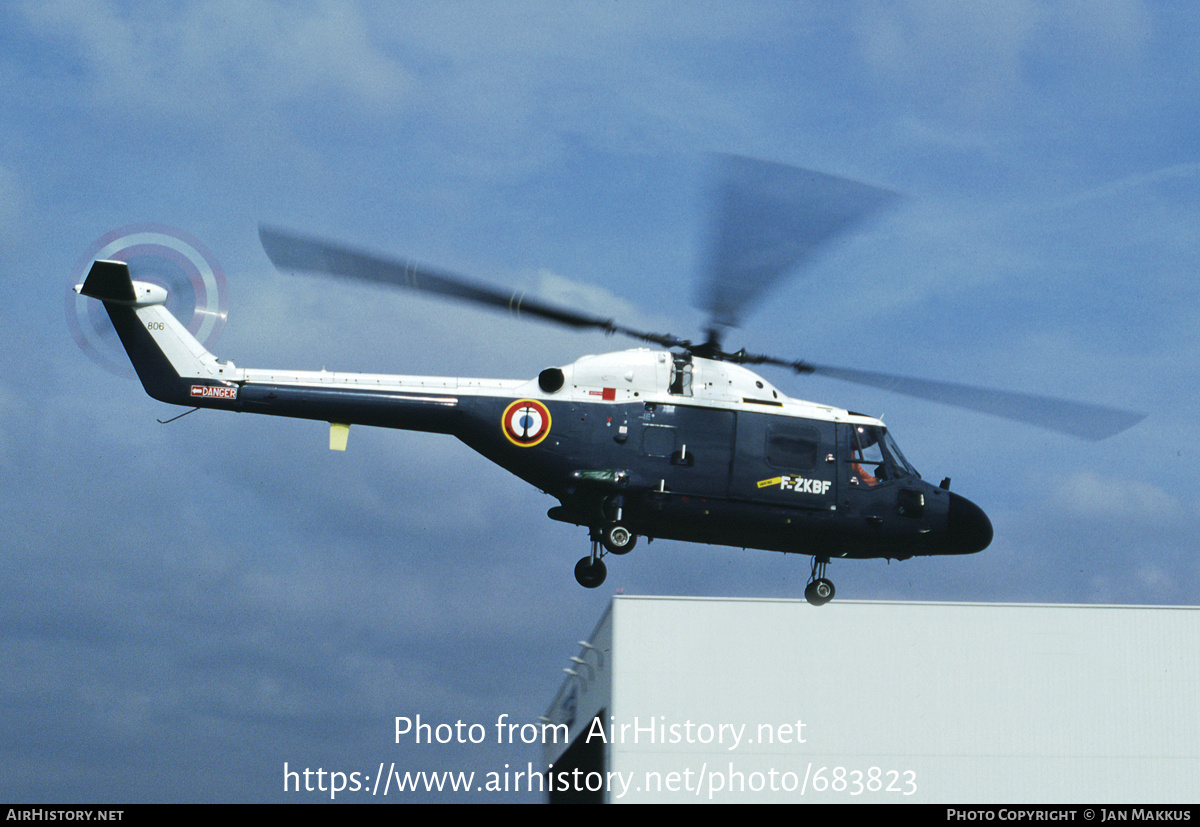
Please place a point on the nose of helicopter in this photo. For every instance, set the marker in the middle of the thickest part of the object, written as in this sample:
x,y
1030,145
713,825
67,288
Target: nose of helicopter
x,y
968,529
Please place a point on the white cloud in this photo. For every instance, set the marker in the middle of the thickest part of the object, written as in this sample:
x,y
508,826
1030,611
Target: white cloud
x,y
993,63
973,47
586,298
1091,495
221,55
1130,185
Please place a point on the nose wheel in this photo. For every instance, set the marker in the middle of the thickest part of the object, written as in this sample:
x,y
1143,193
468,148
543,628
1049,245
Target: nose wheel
x,y
819,590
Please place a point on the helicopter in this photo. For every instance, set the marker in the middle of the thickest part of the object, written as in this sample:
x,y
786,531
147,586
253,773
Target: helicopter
x,y
681,440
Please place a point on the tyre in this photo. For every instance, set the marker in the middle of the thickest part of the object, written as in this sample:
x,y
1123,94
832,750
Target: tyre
x,y
589,574
618,539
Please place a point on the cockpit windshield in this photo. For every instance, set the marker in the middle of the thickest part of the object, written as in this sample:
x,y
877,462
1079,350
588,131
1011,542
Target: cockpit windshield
x,y
875,457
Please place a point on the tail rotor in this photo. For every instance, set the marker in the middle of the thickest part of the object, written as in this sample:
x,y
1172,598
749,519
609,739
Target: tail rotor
x,y
198,294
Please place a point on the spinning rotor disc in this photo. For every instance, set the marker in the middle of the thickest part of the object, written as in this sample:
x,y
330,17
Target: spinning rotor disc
x,y
197,292
769,220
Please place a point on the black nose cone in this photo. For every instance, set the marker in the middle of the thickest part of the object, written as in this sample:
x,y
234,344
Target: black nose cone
x,y
968,529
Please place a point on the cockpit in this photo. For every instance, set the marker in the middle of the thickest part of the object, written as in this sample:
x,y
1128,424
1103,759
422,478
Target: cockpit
x,y
875,458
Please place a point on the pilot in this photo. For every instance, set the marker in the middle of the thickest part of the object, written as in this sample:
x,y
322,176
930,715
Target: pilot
x,y
860,473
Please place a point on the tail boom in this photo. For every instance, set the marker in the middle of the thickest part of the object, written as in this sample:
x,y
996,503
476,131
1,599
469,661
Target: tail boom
x,y
176,368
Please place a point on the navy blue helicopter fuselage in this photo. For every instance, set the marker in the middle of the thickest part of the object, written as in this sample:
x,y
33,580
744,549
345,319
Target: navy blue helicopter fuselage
x,y
673,445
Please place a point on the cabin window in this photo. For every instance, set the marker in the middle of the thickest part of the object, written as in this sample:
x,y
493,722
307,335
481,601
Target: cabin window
x,y
658,440
793,449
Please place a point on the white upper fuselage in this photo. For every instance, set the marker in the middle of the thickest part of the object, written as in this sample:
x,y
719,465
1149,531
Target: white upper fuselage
x,y
639,375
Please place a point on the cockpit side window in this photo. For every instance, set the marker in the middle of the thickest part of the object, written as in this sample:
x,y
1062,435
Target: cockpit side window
x,y
875,458
865,456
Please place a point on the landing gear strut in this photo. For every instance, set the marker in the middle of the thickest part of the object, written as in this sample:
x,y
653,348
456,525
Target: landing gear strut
x,y
819,590
590,571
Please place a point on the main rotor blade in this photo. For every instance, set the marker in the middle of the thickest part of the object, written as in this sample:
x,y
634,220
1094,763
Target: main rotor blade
x,y
1080,419
768,219
288,251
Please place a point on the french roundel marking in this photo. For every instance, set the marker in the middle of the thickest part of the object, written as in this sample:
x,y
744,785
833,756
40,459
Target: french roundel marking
x,y
526,422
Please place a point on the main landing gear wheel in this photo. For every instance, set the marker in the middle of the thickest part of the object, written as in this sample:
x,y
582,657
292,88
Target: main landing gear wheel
x,y
618,539
612,538
819,590
590,573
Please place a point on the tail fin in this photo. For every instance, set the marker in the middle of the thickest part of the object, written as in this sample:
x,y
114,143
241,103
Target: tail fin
x,y
167,358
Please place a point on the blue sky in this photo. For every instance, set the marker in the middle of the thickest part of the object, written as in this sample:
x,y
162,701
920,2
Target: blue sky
x,y
186,607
